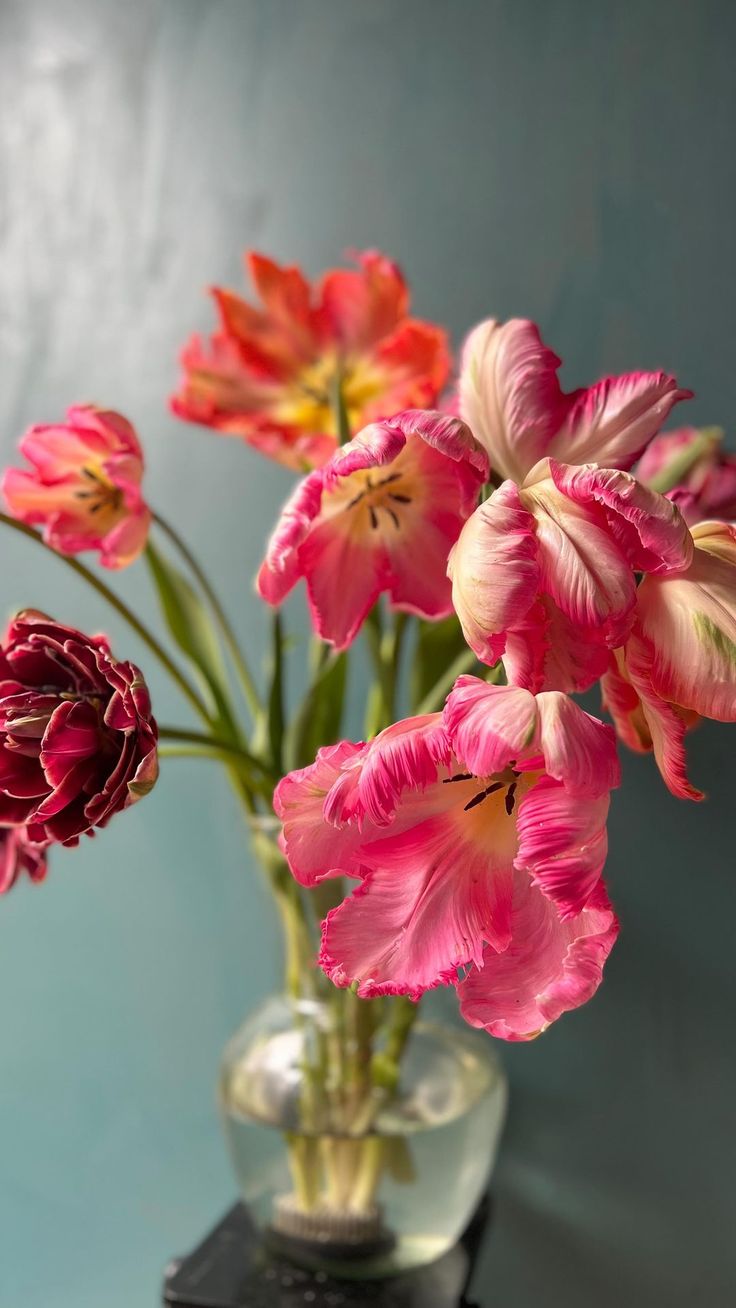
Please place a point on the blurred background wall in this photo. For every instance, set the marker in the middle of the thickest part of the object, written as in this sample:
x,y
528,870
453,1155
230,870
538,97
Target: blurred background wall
x,y
571,161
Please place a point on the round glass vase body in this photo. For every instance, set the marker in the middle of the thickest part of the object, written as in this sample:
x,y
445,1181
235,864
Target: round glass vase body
x,y
349,1163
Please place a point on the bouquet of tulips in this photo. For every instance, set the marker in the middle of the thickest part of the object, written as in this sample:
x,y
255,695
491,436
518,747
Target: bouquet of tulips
x,y
499,544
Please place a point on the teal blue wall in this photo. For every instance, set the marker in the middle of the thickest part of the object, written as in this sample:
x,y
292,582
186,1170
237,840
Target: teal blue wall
x,y
572,161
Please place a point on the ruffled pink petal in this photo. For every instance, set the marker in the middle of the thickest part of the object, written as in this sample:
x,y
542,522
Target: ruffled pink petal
x,y
424,910
578,749
580,565
545,651
494,571
563,843
314,848
688,621
549,968
648,528
672,455
404,757
510,395
489,726
612,422
281,567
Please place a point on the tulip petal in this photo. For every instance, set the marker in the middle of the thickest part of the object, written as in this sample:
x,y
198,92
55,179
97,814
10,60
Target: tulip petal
x,y
314,849
578,749
494,572
580,565
549,968
423,910
612,422
509,394
489,727
280,569
688,622
648,528
563,843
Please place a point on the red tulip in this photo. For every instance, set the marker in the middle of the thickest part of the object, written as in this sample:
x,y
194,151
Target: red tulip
x,y
77,739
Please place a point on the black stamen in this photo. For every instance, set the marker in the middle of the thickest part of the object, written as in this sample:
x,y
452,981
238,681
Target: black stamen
x,y
374,516
356,499
483,794
393,516
460,776
509,801
393,476
400,499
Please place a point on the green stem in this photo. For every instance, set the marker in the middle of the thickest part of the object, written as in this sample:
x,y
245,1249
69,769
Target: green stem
x,y
384,649
247,682
116,603
204,743
342,420
435,698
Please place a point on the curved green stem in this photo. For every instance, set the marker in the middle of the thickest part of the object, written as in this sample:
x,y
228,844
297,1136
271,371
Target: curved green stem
x,y
241,667
116,603
204,741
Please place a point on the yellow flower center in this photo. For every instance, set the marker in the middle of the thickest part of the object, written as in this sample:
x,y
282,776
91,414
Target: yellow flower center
x,y
101,498
309,401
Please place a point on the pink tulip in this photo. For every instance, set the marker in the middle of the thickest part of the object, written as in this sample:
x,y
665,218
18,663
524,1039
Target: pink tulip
x,y
679,663
544,574
511,398
478,838
77,739
692,469
382,515
269,374
19,854
84,487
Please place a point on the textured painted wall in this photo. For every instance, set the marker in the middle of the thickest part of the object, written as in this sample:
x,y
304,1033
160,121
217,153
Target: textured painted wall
x,y
572,161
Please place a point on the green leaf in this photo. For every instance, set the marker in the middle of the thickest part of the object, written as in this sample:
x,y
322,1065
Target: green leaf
x,y
318,718
440,645
190,627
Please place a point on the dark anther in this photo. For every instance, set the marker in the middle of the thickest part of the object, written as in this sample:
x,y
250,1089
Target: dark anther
x,y
509,800
374,516
460,776
400,499
393,476
393,516
483,794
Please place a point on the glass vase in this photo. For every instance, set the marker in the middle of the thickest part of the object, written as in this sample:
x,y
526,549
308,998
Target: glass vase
x,y
347,1160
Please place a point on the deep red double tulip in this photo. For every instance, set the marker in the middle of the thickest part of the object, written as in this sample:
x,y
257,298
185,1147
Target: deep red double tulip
x,y
77,739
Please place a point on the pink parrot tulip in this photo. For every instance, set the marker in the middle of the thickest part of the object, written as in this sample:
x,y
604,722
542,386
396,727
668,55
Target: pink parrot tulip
x,y
382,515
478,838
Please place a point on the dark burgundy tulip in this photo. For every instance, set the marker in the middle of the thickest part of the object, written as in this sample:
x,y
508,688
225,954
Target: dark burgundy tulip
x,y
77,739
